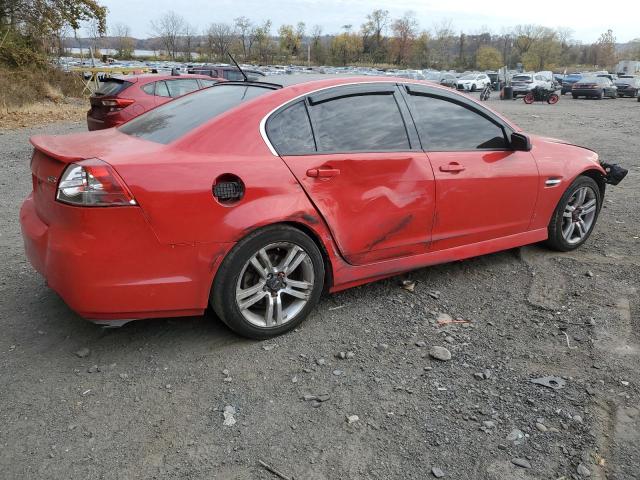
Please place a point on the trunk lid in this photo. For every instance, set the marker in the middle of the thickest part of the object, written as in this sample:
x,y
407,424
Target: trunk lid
x,y
52,153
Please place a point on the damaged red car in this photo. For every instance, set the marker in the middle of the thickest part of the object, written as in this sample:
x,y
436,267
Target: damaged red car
x,y
255,198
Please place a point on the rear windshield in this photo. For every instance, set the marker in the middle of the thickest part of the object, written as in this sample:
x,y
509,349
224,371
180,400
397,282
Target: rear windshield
x,y
174,119
522,78
112,86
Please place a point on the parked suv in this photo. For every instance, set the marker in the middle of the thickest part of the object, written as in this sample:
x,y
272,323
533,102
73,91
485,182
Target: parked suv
x,y
473,82
121,98
523,83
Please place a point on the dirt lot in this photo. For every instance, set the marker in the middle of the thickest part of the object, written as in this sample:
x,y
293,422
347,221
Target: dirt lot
x,y
147,400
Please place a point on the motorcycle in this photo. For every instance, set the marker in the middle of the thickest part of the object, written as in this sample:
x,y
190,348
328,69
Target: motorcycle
x,y
540,94
485,93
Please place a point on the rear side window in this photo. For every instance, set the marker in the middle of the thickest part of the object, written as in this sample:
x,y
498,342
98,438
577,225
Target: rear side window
x,y
112,86
290,131
359,123
447,126
149,88
174,119
178,88
162,90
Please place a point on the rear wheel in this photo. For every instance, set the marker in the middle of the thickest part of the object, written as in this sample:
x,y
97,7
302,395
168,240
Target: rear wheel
x,y
269,283
575,216
575,97
553,99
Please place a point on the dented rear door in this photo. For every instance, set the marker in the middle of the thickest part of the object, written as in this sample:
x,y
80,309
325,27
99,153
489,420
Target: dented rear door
x,y
363,170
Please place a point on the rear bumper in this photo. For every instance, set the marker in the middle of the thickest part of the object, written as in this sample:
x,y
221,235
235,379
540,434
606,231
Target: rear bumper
x,y
586,92
107,264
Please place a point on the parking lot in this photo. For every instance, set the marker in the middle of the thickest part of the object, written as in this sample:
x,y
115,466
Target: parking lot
x,y
186,398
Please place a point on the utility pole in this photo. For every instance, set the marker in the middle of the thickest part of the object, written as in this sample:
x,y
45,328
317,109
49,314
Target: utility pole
x,y
308,54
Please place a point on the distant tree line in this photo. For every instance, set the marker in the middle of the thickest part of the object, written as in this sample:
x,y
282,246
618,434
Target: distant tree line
x,y
45,27
382,40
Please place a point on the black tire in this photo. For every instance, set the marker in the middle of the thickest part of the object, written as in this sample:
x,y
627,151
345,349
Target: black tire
x,y
556,240
575,97
473,87
223,293
600,96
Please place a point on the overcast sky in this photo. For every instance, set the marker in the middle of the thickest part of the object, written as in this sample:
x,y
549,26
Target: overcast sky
x,y
587,18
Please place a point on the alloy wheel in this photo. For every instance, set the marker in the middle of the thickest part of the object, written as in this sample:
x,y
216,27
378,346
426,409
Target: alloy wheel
x,y
579,214
275,284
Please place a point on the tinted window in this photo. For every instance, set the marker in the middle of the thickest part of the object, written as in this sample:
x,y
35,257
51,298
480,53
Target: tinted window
x,y
162,90
172,120
445,126
112,86
290,131
177,88
359,123
149,88
233,75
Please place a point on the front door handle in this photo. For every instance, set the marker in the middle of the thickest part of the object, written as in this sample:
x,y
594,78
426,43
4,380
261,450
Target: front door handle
x,y
323,172
452,167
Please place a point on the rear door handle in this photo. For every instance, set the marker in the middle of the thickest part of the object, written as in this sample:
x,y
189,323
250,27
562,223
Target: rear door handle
x,y
323,172
452,167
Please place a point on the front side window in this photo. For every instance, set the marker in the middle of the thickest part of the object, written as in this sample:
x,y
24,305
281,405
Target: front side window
x,y
444,125
290,131
359,123
174,119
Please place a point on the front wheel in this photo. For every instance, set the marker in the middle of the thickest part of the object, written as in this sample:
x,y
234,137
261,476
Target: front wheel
x,y
553,99
575,216
529,98
269,282
473,87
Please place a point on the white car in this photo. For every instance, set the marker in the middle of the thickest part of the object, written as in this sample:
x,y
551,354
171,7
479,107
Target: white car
x,y
523,83
473,82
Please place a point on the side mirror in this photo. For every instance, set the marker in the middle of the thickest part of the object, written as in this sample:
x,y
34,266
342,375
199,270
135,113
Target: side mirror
x,y
520,142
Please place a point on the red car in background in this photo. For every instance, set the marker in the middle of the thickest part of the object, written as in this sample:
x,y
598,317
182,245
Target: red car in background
x,y
255,198
121,98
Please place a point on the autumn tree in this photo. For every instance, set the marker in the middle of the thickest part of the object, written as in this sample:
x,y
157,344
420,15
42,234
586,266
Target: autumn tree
x,y
219,38
373,39
606,50
263,41
291,39
346,48
404,33
30,29
244,29
168,30
121,34
318,51
488,58
544,52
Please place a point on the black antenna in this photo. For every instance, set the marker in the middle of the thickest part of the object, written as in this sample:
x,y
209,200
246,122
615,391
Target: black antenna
x,y
246,79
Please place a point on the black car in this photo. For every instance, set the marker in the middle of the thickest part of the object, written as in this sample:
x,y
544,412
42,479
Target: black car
x,y
594,87
628,86
227,72
568,81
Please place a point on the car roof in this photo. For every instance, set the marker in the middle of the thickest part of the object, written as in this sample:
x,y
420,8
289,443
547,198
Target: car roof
x,y
152,77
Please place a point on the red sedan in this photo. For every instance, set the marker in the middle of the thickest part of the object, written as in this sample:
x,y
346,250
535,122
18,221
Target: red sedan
x,y
119,99
255,198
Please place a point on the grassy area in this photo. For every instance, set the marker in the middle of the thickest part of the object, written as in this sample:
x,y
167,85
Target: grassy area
x,y
33,96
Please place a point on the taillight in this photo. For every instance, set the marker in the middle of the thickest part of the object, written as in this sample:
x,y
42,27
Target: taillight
x,y
93,183
117,103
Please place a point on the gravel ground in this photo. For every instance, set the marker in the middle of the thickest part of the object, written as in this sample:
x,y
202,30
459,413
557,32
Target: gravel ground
x,y
158,398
